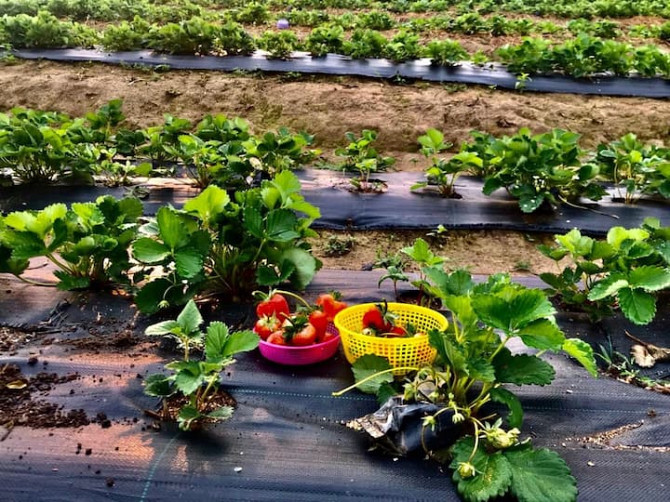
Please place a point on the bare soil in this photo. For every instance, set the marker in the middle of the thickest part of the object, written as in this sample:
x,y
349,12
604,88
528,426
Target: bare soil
x,y
328,107
485,252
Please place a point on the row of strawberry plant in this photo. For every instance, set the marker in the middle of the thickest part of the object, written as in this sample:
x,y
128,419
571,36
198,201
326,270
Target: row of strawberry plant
x,y
627,270
549,168
44,147
584,56
215,244
258,14
114,10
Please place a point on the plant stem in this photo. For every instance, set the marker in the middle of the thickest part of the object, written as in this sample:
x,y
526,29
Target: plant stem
x,y
375,375
474,450
35,283
293,295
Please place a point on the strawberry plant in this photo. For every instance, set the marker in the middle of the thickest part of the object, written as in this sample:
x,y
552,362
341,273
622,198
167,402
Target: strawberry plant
x,y
233,40
194,36
360,156
539,169
87,243
394,265
445,52
402,47
228,246
201,159
253,12
126,36
324,40
279,45
375,20
221,128
473,366
189,394
115,174
45,154
45,31
163,138
281,150
638,168
625,270
365,44
441,172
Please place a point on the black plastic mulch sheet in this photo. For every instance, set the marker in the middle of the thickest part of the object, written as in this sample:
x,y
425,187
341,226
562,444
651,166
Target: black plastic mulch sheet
x,y
333,64
397,208
287,440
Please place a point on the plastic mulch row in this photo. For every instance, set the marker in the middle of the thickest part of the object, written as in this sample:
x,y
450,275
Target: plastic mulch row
x,y
286,440
398,208
333,64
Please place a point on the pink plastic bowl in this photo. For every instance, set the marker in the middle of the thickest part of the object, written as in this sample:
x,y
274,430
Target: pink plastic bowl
x,y
301,356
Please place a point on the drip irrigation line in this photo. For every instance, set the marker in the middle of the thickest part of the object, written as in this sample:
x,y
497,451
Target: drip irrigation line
x,y
493,74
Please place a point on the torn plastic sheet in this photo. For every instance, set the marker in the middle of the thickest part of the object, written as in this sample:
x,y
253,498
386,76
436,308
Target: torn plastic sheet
x,y
334,64
398,427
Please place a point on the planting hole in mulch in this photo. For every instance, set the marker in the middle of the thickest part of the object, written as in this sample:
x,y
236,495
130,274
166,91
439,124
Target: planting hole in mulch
x,y
169,409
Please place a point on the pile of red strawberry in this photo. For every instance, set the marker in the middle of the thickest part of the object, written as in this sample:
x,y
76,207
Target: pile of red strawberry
x,y
306,326
378,320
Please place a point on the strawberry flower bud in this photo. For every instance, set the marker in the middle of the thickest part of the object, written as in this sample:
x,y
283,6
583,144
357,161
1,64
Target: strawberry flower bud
x,y
430,421
500,439
466,470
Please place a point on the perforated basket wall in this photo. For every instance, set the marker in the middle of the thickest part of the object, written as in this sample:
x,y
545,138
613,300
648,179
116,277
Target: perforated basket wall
x,y
401,352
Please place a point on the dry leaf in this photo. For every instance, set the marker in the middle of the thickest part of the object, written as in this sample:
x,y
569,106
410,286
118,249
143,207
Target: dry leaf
x,y
17,385
642,357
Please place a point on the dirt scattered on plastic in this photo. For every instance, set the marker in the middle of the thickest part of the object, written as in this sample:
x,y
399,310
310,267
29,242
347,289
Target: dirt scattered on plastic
x,y
603,439
12,339
19,405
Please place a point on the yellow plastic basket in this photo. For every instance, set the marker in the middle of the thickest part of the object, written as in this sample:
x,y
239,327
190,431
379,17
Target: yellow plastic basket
x,y
401,352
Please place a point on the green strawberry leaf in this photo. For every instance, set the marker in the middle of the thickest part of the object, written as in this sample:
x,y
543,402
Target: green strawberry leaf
x,y
189,377
304,264
540,475
281,225
607,287
480,369
149,297
188,262
493,477
366,366
158,385
542,335
522,369
583,352
149,251
503,396
187,415
637,305
223,413
211,202
172,227
68,282
649,278
189,319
